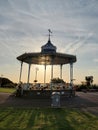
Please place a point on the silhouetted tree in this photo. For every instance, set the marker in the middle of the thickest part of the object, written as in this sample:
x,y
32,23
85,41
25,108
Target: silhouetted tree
x,y
57,80
5,82
89,80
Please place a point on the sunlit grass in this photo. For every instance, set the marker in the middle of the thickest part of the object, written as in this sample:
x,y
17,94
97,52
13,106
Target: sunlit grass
x,y
46,119
7,90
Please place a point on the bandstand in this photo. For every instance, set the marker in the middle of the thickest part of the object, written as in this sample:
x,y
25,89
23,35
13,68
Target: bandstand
x,y
47,56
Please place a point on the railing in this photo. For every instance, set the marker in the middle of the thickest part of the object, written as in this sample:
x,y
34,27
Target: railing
x,y
45,93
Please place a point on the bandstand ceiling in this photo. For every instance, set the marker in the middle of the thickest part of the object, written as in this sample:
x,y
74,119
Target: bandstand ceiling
x,y
48,59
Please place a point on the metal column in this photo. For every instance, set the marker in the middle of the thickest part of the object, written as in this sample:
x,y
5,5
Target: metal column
x,y
28,74
20,72
51,71
45,75
61,71
71,73
51,74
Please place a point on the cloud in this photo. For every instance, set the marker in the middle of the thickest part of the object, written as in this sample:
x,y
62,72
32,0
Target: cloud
x,y
24,25
96,60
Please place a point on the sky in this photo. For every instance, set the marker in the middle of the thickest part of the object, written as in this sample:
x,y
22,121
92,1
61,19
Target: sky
x,y
24,28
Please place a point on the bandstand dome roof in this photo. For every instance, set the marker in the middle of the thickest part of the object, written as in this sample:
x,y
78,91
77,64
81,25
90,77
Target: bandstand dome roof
x,y
48,47
47,56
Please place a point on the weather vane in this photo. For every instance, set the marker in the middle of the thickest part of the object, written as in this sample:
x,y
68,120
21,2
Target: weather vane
x,y
49,33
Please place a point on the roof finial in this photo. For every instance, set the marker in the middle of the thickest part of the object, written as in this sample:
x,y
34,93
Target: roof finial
x,y
49,33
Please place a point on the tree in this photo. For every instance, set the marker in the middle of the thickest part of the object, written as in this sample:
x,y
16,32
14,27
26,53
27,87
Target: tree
x,y
5,82
89,80
57,80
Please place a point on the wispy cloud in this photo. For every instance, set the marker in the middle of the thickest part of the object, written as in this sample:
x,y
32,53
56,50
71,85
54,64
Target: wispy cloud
x,y
24,24
96,60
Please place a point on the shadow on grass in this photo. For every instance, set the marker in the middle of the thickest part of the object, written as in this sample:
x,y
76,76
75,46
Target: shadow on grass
x,y
46,119
34,119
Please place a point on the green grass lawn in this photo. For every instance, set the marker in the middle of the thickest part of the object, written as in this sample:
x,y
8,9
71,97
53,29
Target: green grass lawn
x,y
46,119
7,90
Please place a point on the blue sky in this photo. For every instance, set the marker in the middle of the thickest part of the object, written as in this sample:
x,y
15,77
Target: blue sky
x,y
24,28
